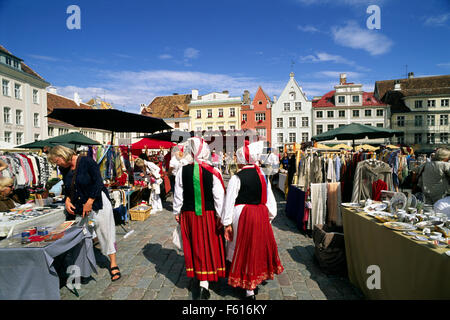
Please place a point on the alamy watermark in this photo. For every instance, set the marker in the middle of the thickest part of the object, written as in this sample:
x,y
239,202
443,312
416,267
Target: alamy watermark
x,y
374,280
374,20
74,279
74,20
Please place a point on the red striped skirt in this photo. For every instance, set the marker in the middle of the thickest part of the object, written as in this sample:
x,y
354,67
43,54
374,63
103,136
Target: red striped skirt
x,y
203,246
255,257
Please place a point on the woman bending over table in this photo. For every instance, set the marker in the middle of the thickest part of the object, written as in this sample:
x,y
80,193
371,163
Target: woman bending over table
x,y
86,195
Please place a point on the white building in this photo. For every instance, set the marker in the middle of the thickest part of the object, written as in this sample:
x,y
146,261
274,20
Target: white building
x,y
23,101
348,103
291,116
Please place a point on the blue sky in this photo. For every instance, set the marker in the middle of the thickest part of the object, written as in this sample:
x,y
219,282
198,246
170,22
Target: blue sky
x,y
131,51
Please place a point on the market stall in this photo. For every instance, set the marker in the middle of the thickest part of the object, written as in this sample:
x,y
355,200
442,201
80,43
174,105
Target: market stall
x,y
17,221
408,268
27,271
282,177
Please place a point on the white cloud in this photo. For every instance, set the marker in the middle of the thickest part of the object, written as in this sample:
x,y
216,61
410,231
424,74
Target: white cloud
x,y
445,65
191,53
439,20
336,74
165,56
327,57
130,89
308,28
353,36
45,58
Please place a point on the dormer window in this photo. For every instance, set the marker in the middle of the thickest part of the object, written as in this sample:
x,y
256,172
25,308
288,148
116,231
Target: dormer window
x,y
291,95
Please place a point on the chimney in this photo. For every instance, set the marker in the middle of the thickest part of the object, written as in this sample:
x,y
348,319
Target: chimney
x,y
142,107
397,86
175,94
194,94
225,91
53,90
246,97
76,98
274,99
410,75
343,78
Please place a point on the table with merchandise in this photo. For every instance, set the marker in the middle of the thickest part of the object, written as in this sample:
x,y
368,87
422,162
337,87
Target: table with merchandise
x,y
399,255
30,255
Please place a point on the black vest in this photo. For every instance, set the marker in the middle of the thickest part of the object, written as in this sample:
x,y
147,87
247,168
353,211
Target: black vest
x,y
250,191
188,189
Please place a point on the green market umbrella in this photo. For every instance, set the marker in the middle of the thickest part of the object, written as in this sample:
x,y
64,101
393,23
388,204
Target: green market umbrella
x,y
74,138
355,131
36,145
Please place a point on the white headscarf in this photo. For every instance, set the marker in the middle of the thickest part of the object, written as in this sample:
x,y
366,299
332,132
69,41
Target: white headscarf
x,y
254,150
198,149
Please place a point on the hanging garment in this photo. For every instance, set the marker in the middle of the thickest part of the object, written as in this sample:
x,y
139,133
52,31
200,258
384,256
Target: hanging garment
x,y
367,172
377,187
334,204
319,204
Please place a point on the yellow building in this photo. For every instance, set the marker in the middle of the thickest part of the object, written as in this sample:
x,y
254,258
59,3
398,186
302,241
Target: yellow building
x,y
214,111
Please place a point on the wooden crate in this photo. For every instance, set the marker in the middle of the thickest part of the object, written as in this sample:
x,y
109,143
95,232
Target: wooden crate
x,y
140,215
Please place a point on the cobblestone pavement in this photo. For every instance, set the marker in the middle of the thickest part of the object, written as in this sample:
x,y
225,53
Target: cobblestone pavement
x,y
153,269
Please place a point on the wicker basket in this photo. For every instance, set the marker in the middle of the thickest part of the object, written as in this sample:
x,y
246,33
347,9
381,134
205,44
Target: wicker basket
x,y
140,215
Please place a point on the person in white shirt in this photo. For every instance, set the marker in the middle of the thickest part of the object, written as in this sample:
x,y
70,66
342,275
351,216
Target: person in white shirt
x,y
250,207
153,170
176,162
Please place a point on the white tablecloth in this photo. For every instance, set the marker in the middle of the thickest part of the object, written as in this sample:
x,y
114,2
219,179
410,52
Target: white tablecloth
x,y
281,181
53,218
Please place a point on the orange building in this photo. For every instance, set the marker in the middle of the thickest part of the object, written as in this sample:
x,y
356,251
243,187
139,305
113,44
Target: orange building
x,y
257,115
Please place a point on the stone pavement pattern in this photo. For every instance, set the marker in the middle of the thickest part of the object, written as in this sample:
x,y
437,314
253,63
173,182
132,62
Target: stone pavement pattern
x,y
153,269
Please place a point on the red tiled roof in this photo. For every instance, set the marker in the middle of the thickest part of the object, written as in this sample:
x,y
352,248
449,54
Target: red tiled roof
x,y
327,100
55,101
174,106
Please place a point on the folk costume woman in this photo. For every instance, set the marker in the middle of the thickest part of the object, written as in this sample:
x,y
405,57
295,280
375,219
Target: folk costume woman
x,y
197,205
250,207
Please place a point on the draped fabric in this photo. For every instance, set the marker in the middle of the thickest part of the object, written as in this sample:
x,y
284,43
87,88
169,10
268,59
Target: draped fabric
x,y
377,187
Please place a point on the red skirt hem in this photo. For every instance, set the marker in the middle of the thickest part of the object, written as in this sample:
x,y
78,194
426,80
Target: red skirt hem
x,y
255,256
203,246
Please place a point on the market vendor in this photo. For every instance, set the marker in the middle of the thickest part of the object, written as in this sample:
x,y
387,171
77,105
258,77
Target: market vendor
x,y
6,194
154,183
434,177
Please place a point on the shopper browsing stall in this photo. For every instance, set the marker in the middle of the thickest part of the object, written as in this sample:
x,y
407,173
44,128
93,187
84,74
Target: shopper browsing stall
x,y
6,192
434,178
87,196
